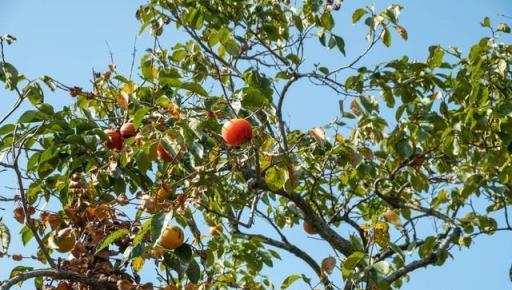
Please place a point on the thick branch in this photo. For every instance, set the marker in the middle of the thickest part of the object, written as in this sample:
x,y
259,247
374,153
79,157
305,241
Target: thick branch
x,y
58,275
324,230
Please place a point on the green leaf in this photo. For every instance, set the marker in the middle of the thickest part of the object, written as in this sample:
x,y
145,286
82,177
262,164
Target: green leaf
x,y
146,67
111,238
340,44
327,21
386,37
197,151
196,18
418,181
139,237
33,117
50,83
356,243
195,88
436,56
356,16
34,93
193,271
294,58
404,148
170,260
297,21
169,147
486,22
427,247
184,252
351,262
9,75
5,236
503,27
139,116
275,178
388,97
7,128
26,235
232,47
157,223
38,282
324,70
253,98
288,281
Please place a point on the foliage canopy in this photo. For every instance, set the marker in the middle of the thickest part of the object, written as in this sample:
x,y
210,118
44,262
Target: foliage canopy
x,y
416,143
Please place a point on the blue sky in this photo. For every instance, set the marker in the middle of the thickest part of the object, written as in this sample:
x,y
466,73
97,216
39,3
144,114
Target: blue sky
x,y
67,39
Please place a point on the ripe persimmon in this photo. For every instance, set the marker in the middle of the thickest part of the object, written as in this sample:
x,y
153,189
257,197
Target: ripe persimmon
x,y
309,229
237,132
128,130
115,140
172,237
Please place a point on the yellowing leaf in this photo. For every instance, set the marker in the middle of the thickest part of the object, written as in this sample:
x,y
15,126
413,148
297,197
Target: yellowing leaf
x,y
381,234
381,227
340,138
137,264
129,87
174,109
275,178
122,100
154,72
402,32
392,218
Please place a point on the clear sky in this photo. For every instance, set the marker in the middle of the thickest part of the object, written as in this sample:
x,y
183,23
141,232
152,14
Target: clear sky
x,y
67,39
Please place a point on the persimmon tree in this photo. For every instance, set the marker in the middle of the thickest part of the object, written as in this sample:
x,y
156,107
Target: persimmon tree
x,y
173,169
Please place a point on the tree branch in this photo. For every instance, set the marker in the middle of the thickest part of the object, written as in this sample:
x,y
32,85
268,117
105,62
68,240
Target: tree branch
x,y
425,261
324,230
58,275
28,220
295,251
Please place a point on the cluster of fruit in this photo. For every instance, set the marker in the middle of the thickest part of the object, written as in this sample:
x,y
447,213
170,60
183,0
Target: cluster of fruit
x,y
235,133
